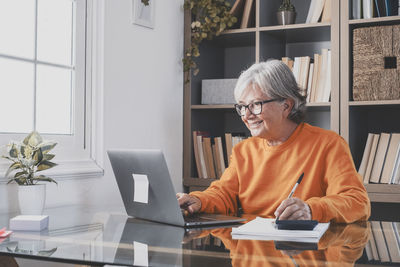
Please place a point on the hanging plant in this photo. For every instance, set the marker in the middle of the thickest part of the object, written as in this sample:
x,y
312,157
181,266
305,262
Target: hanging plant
x,y
209,19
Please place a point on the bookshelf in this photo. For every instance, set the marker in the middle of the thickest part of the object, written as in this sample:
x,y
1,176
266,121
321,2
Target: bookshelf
x,y
358,118
237,49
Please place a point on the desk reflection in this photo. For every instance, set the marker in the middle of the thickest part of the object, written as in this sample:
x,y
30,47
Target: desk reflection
x,y
341,245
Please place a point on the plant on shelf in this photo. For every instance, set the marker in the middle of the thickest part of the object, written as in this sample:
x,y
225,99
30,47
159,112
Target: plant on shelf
x,y
28,158
286,13
287,6
209,19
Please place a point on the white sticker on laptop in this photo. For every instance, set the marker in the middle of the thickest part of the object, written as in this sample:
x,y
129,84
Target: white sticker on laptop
x,y
141,254
141,191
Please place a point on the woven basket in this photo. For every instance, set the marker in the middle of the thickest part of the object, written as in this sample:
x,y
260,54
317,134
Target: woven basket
x,y
376,63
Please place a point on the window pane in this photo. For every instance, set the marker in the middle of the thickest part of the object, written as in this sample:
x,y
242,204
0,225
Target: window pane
x,y
55,31
17,20
16,91
53,100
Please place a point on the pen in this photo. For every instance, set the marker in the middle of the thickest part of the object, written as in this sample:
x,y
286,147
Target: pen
x,y
294,189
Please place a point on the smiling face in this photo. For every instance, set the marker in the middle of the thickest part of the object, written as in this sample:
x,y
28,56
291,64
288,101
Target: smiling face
x,y
270,124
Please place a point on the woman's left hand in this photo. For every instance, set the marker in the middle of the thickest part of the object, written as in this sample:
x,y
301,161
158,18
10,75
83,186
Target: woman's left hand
x,y
293,209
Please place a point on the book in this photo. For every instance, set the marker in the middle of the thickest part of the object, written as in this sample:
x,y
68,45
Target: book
x,y
311,10
390,160
392,242
392,7
220,151
367,151
323,65
356,9
228,143
246,14
315,78
374,249
207,148
368,251
371,158
305,67
202,157
196,153
380,6
380,241
326,13
326,92
216,160
317,11
309,82
264,229
396,169
368,9
379,158
296,69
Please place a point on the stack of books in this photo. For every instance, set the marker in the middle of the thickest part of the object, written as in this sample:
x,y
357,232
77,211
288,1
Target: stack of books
x,y
313,75
384,242
210,158
366,9
244,11
381,159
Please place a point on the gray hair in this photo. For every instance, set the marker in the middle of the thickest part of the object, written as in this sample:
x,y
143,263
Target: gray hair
x,y
276,80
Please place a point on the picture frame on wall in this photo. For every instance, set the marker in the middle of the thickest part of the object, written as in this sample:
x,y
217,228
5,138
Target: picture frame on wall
x,y
143,14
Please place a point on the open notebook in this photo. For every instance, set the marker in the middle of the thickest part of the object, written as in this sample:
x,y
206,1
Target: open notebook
x,y
264,229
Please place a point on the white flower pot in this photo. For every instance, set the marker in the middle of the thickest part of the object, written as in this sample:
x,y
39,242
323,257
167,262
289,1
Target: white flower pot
x,y
31,199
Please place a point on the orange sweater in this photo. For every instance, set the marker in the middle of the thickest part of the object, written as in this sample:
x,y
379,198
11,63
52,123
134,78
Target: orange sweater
x,y
260,177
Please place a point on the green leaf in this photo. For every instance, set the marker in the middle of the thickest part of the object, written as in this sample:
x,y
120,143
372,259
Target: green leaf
x,y
44,165
14,166
42,178
33,139
48,156
37,156
13,151
18,174
47,146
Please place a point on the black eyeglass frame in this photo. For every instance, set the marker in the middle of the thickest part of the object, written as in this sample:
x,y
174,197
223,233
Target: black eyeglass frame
x,y
239,107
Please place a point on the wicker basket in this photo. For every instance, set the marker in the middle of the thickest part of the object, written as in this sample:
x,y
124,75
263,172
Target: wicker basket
x,y
376,63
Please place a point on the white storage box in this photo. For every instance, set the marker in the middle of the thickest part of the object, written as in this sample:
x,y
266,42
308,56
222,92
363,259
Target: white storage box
x,y
218,91
29,222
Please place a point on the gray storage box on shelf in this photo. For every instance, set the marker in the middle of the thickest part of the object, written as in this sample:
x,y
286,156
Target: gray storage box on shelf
x,y
217,91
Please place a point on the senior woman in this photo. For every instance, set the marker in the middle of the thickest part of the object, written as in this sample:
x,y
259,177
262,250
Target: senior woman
x,y
264,168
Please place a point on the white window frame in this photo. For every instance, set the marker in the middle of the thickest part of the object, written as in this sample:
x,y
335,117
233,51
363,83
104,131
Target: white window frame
x,y
83,156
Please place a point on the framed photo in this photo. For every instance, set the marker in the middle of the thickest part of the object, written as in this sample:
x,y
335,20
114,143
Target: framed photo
x,y
143,14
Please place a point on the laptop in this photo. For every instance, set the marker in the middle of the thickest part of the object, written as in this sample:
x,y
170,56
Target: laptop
x,y
161,204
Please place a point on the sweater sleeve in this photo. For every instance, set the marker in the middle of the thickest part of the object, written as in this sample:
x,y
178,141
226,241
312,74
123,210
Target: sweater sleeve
x,y
346,198
222,195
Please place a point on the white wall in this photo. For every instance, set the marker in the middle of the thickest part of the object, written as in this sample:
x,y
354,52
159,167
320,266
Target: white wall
x,y
143,95
143,101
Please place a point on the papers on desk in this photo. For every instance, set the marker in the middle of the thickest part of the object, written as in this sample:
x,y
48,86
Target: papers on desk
x,y
264,229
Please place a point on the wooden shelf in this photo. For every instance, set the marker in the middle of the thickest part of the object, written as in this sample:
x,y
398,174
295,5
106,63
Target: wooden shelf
x,y
383,192
374,20
294,26
231,106
374,103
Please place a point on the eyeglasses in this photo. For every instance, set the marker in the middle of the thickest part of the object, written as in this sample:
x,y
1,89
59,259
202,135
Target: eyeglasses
x,y
255,108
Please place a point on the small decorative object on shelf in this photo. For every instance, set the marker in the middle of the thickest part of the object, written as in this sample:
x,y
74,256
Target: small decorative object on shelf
x,y
210,19
286,13
28,158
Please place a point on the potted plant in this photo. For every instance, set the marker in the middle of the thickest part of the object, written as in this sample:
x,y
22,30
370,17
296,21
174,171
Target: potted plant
x,y
28,158
209,19
286,13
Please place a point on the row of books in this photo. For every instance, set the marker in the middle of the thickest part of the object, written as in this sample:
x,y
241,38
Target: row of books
x,y
319,10
381,159
367,9
243,10
210,158
384,242
313,75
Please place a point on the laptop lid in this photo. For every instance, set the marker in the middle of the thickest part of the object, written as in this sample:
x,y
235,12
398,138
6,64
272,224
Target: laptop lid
x,y
162,204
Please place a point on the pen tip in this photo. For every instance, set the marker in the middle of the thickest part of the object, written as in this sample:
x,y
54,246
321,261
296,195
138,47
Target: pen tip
x,y
301,177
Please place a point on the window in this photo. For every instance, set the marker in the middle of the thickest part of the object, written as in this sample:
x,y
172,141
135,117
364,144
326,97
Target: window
x,y
43,67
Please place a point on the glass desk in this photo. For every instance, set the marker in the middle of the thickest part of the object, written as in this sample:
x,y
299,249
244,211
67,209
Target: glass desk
x,y
89,236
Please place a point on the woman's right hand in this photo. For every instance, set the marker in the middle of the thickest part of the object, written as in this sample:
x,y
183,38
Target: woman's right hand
x,y
187,202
